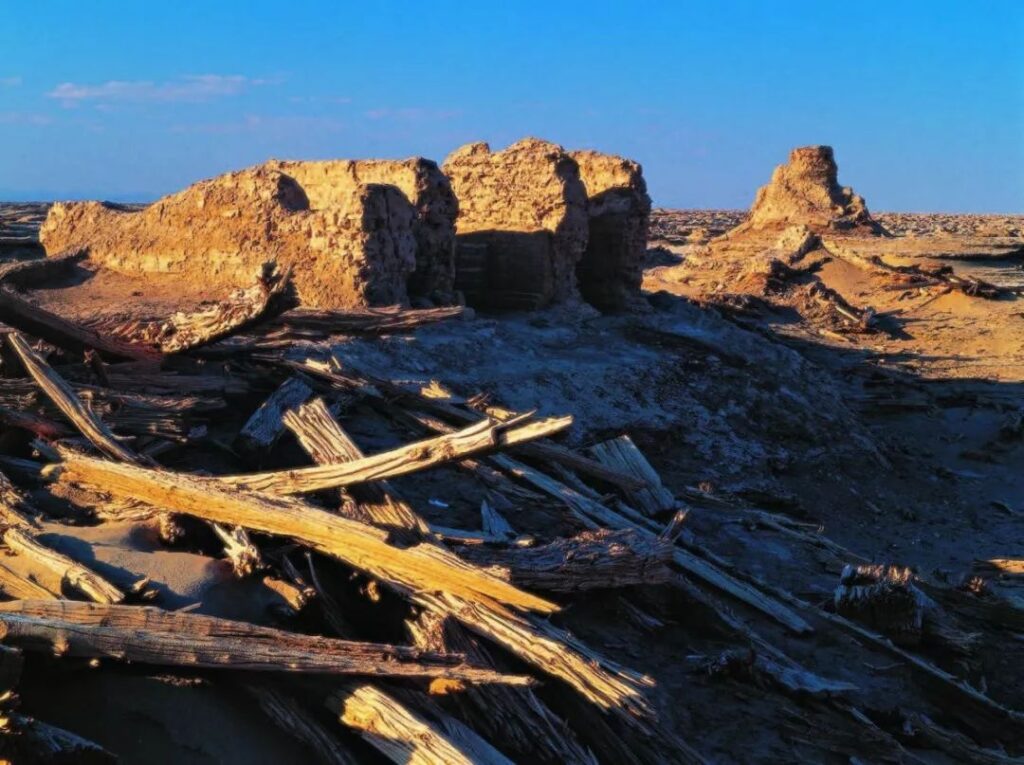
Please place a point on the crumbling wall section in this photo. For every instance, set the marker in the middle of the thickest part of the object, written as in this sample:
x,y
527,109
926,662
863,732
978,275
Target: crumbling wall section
x,y
356,252
619,210
425,186
522,225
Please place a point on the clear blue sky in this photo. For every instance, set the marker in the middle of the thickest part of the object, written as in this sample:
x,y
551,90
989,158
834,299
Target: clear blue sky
x,y
922,100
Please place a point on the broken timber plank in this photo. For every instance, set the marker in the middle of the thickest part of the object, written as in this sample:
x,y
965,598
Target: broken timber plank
x,y
36,321
420,567
593,515
396,732
484,436
145,635
326,443
599,559
265,426
61,394
586,671
622,453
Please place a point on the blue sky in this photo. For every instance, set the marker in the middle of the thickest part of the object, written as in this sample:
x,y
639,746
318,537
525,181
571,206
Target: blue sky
x,y
923,101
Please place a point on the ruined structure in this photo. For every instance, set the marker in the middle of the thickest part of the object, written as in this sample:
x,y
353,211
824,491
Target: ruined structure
x,y
619,208
522,225
348,244
806,191
426,187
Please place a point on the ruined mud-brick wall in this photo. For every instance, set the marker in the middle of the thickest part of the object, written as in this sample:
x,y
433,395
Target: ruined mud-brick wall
x,y
806,191
611,269
426,187
358,251
522,225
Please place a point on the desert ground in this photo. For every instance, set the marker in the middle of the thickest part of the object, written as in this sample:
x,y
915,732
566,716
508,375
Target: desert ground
x,y
612,484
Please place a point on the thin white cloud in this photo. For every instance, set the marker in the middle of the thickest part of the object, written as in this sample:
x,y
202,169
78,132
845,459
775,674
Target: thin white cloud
x,y
10,82
284,125
193,88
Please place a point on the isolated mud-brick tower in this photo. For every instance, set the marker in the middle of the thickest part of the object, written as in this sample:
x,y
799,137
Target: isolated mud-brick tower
x,y
619,209
522,225
806,191
348,244
425,186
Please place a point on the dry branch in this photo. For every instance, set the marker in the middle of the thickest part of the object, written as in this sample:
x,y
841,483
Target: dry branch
x,y
621,453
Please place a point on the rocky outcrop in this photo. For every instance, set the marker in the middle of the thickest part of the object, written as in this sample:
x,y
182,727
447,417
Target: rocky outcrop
x,y
806,191
353,247
619,209
426,187
522,225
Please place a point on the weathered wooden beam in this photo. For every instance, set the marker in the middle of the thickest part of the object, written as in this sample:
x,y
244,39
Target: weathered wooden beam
x,y
420,567
591,560
327,443
485,436
64,398
393,729
265,426
145,635
38,322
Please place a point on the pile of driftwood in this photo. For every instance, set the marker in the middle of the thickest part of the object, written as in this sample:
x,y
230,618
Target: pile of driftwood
x,y
96,412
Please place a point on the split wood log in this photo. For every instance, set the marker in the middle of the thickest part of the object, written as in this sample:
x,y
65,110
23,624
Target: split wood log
x,y
61,394
592,560
494,524
485,436
289,715
604,682
265,426
395,731
184,330
621,453
145,635
327,443
594,515
542,733
420,567
38,322
512,715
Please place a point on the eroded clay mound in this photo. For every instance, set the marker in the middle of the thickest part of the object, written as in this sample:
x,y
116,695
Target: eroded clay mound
x,y
619,208
356,251
522,225
806,191
426,187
